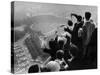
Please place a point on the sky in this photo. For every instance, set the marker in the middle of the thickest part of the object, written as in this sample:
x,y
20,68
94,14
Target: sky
x,y
59,13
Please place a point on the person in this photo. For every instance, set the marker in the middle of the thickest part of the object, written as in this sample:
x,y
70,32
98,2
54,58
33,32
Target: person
x,y
64,36
88,29
43,67
54,65
33,69
70,49
68,28
60,60
68,32
61,40
75,38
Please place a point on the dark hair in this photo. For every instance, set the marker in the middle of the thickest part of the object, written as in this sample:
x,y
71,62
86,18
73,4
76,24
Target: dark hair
x,y
33,69
70,23
87,15
79,18
60,54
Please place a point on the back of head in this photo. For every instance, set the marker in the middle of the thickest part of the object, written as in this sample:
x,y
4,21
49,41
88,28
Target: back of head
x,y
70,23
87,15
33,69
60,54
53,66
79,18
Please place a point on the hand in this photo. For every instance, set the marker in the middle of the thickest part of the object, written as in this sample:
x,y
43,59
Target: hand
x,y
66,66
80,32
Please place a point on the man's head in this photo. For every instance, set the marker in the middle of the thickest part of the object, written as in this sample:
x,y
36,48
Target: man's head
x,y
60,54
33,69
53,66
87,15
79,18
70,23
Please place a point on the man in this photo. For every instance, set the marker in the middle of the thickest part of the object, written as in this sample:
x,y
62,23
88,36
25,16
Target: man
x,y
60,59
88,29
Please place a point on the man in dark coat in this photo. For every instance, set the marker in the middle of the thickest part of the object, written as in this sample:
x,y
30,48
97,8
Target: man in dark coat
x,y
75,35
75,39
88,29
